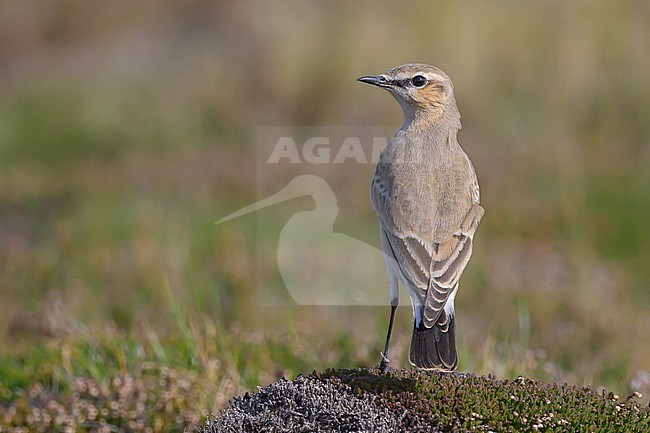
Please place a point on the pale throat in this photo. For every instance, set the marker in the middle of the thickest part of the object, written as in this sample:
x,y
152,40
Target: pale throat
x,y
423,120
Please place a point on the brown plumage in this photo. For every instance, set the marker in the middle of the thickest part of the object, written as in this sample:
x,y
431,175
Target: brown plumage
x,y
426,196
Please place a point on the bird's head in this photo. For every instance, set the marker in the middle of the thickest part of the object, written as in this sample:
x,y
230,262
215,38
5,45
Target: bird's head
x,y
425,92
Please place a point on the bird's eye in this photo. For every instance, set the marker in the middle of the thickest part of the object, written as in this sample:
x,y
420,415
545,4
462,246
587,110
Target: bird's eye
x,y
419,81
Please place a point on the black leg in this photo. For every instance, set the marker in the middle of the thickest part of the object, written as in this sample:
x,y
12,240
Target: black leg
x,y
383,365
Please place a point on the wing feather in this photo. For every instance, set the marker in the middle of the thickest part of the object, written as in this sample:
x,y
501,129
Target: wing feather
x,y
430,275
430,268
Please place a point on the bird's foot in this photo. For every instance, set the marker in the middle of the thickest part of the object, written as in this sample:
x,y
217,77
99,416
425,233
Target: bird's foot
x,y
383,365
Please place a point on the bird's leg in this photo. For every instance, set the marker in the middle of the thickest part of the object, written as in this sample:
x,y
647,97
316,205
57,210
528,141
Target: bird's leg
x,y
383,365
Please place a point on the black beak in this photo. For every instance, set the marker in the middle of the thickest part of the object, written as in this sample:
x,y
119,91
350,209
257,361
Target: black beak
x,y
375,80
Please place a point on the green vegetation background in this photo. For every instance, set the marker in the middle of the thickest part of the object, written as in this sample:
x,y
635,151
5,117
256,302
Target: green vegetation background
x,y
127,130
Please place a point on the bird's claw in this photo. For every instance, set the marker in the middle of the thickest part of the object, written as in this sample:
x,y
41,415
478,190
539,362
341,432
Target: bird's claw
x,y
383,365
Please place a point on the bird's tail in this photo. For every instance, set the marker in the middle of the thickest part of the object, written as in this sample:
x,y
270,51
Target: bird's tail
x,y
434,348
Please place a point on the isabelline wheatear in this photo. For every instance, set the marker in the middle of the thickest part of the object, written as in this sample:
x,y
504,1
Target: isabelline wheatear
x,y
426,196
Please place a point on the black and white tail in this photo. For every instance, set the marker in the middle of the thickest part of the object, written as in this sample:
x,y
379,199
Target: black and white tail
x,y
434,348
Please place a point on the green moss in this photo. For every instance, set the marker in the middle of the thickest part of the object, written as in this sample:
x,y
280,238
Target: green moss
x,y
477,403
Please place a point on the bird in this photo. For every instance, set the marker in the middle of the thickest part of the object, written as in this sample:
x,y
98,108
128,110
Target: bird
x,y
425,193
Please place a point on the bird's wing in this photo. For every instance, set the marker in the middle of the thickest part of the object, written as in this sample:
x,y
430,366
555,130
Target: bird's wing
x,y
433,271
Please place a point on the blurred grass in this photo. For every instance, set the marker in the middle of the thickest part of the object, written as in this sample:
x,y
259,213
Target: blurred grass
x,y
126,133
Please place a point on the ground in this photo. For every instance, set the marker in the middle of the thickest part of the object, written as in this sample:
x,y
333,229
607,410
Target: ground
x,y
420,401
